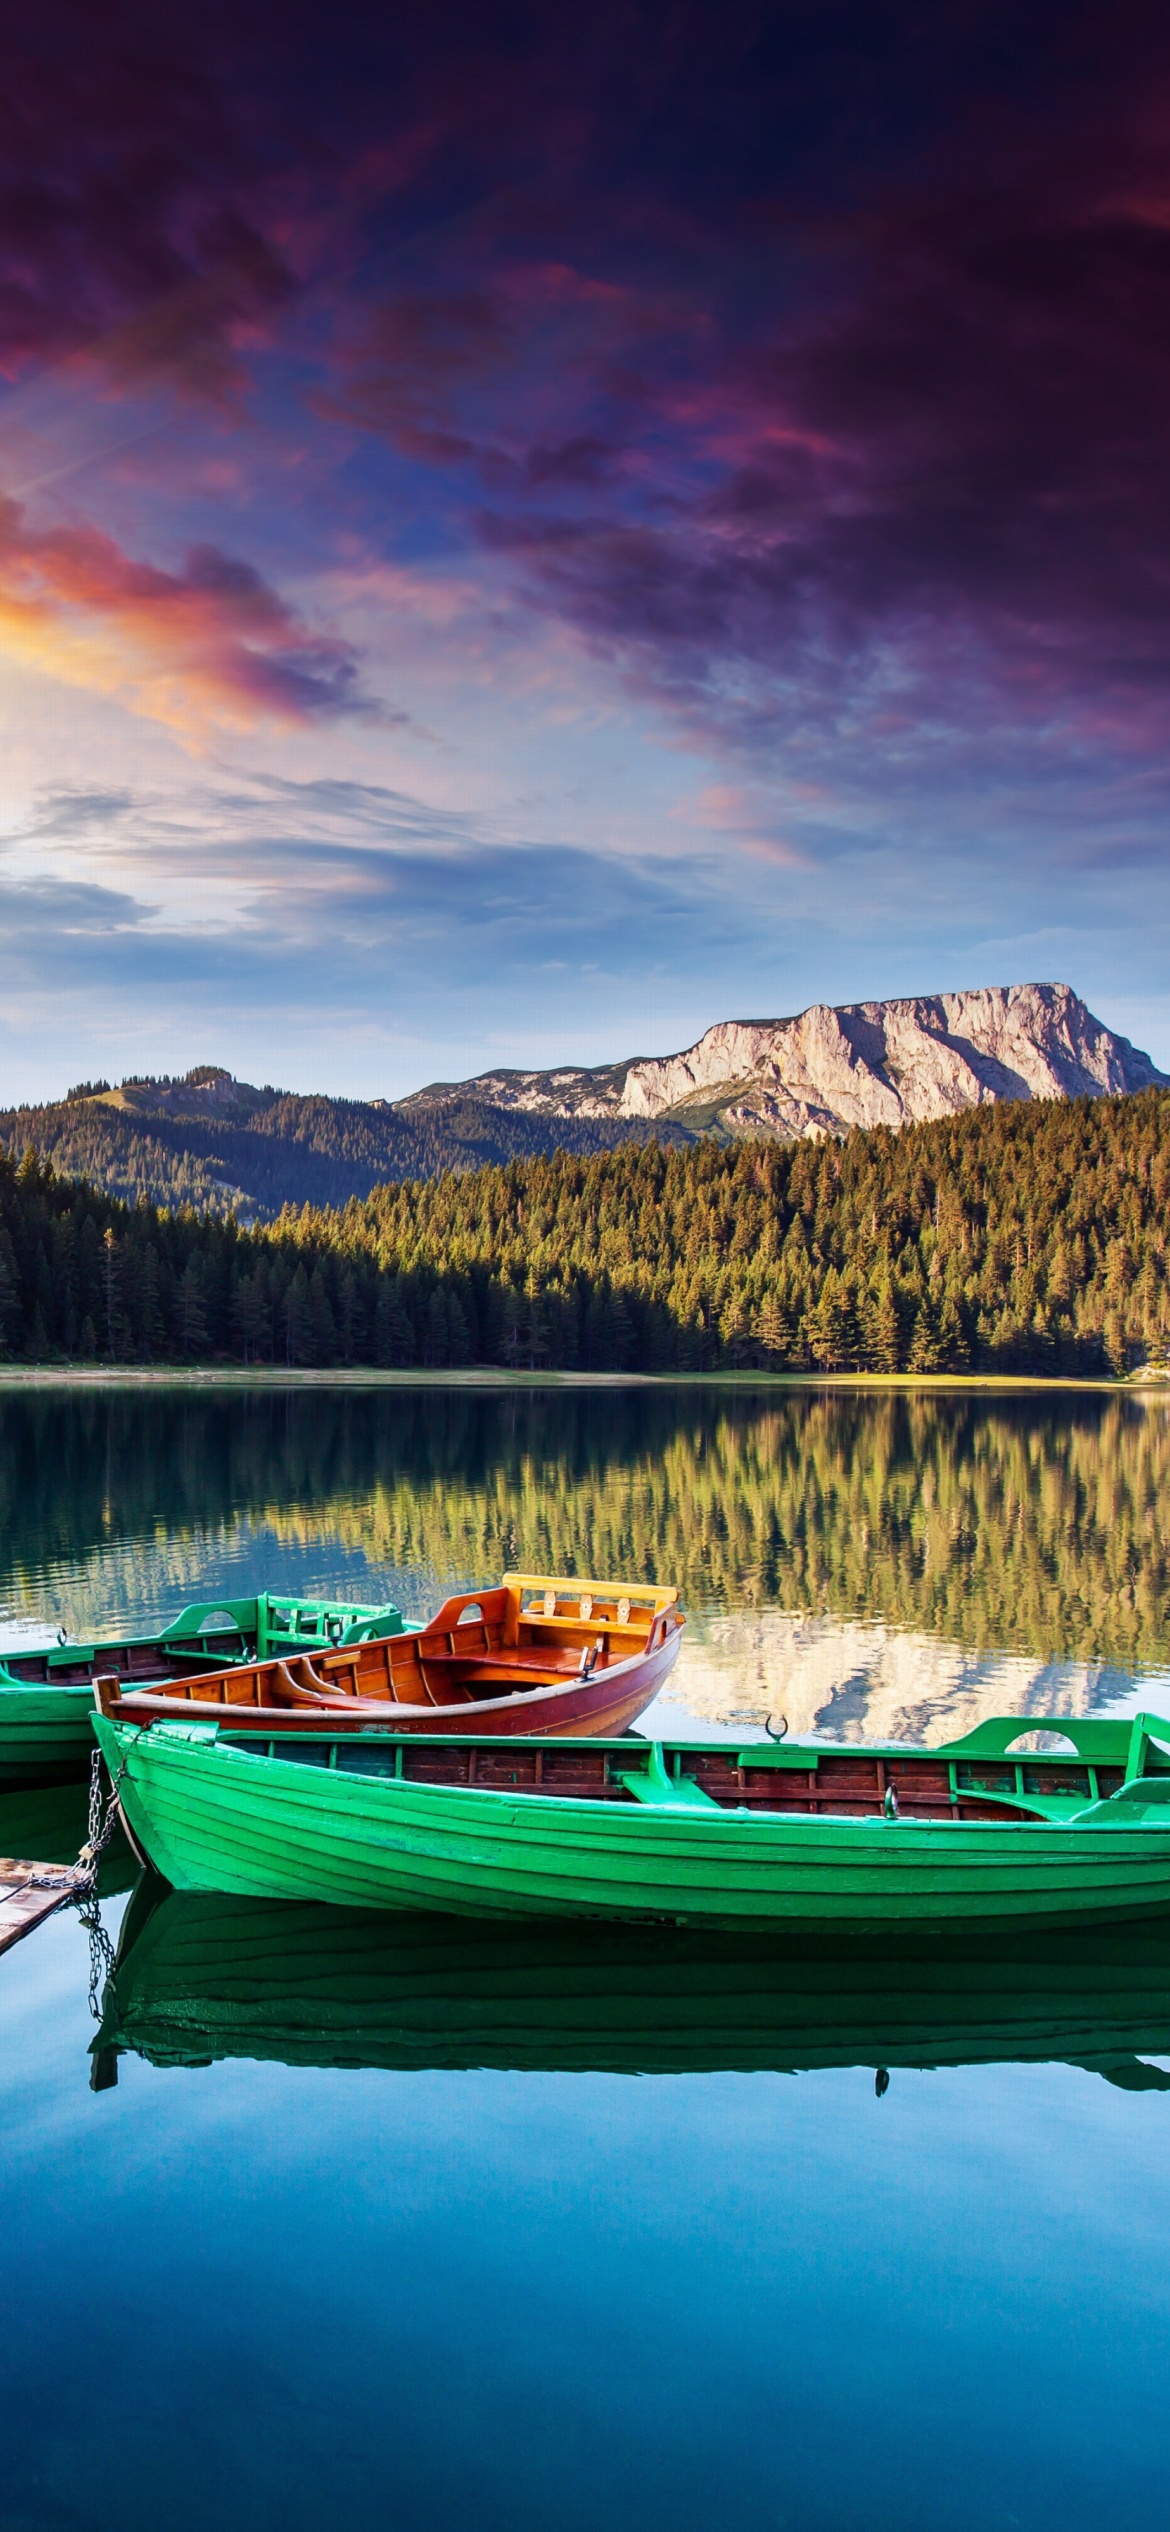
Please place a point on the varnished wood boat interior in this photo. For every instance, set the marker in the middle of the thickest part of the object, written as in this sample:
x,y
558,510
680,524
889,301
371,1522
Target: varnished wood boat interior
x,y
527,1633
837,1782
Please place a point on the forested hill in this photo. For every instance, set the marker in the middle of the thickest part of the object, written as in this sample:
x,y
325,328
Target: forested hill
x,y
1014,1238
225,1147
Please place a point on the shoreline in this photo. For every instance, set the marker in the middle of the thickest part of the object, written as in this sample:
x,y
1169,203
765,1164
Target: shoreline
x,y
495,1376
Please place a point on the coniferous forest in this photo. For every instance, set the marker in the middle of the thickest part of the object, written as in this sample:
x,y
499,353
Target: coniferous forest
x,y
1016,1238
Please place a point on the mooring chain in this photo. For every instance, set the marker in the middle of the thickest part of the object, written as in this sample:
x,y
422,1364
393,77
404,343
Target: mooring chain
x,y
103,1820
101,1953
103,1817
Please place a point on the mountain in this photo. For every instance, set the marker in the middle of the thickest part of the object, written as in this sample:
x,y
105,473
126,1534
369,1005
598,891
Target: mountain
x,y
828,1070
223,1145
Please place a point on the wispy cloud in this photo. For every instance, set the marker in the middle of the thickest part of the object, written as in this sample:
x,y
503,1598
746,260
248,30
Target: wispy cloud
x,y
210,645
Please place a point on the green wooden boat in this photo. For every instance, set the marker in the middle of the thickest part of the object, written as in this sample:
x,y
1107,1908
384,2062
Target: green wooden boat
x,y
200,1976
702,1833
46,1690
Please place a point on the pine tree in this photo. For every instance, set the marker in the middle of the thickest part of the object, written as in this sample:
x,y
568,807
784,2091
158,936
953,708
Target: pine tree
x,y
297,1316
511,1330
111,1291
191,1314
925,1350
734,1331
829,1325
599,1352
1115,1344
151,1324
535,1322
350,1317
9,1294
880,1329
321,1316
438,1332
773,1328
249,1314
394,1343
623,1335
458,1337
954,1352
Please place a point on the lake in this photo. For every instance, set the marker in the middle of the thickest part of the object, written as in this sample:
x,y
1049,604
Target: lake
x,y
414,2222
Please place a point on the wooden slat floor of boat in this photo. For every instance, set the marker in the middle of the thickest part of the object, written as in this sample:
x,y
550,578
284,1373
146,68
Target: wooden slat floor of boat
x,y
29,1893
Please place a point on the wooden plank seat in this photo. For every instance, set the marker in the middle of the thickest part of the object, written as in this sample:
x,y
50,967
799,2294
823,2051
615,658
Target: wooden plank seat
x,y
505,1663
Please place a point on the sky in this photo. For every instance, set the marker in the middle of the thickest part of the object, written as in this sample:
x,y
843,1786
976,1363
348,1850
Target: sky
x,y
527,530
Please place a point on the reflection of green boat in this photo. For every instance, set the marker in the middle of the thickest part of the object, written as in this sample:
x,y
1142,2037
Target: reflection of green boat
x,y
202,1976
49,1824
46,1690
697,1831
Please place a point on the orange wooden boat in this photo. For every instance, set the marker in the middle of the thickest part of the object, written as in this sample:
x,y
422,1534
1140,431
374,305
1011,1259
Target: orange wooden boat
x,y
535,1654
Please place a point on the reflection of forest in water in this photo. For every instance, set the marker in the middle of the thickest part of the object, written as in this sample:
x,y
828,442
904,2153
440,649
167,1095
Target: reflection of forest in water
x,y
1026,1522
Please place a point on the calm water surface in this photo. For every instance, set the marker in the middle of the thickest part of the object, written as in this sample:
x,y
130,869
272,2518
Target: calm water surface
x,y
411,2223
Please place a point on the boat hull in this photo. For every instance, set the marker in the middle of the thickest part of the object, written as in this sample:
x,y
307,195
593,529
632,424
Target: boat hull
x,y
598,1707
211,1815
46,1735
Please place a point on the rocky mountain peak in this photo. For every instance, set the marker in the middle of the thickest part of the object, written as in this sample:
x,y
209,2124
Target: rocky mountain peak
x,y
831,1068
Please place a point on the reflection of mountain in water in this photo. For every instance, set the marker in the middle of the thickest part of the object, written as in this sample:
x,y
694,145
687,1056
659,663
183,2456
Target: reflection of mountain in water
x,y
201,1977
1018,1523
848,1680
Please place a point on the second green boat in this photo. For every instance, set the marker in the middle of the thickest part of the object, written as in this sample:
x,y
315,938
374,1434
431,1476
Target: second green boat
x,y
46,1690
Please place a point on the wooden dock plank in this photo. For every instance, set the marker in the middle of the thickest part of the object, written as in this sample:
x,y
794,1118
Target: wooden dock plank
x,y
31,1892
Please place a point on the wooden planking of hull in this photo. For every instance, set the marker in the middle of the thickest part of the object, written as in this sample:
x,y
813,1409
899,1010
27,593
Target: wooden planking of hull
x,y
533,1654
46,1690
635,1829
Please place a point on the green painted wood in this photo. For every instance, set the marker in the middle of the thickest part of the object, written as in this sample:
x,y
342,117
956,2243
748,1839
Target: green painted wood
x,y
652,1782
46,1733
1093,1736
218,1815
